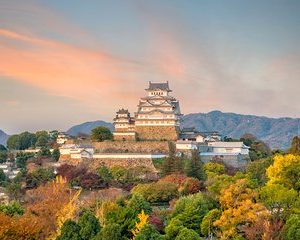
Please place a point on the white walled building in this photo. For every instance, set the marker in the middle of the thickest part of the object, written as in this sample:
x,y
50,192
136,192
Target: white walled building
x,y
62,138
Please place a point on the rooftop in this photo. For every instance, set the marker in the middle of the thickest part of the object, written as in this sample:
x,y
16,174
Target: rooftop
x,y
159,86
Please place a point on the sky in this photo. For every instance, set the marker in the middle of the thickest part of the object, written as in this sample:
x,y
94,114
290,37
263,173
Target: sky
x,y
64,62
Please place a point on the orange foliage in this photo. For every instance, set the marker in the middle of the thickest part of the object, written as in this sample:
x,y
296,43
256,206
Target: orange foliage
x,y
41,209
177,179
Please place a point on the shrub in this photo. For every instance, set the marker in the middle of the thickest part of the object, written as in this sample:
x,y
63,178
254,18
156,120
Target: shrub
x,y
156,192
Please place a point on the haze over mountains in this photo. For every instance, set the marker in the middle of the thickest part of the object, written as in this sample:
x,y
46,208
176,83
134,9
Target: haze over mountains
x,y
277,132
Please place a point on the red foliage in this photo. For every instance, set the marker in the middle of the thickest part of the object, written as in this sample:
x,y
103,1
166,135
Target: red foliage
x,y
191,185
156,222
70,172
91,181
177,179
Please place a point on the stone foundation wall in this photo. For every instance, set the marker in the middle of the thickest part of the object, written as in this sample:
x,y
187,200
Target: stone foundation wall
x,y
157,132
124,138
127,163
131,147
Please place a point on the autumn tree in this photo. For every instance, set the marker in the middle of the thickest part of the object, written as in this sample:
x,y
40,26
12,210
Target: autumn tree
x,y
142,221
286,171
240,209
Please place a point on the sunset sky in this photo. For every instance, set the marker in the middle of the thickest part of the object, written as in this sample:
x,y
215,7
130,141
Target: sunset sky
x,y
64,62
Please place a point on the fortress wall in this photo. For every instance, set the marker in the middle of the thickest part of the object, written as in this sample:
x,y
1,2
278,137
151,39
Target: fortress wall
x,y
132,147
157,132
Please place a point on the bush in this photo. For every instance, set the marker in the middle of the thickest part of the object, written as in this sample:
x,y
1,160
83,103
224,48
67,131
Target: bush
x,y
156,192
105,174
187,234
101,134
14,208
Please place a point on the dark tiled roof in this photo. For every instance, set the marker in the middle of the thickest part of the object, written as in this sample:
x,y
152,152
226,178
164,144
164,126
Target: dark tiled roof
x,y
160,86
123,111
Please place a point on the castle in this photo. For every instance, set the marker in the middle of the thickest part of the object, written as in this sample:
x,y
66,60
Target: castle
x,y
157,118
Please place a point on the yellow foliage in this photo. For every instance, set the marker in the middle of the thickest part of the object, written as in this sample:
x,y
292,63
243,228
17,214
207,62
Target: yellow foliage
x,y
104,209
143,220
240,209
281,162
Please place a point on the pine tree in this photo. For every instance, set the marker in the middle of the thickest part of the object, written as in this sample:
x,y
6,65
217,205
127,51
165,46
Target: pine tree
x,y
195,167
172,163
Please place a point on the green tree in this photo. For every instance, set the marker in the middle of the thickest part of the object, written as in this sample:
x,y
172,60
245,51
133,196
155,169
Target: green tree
x,y
3,177
12,209
39,176
195,167
105,173
3,156
256,171
173,229
2,148
188,234
148,232
292,227
45,152
157,191
42,138
101,133
295,146
111,231
14,190
172,163
22,141
207,226
191,209
69,231
21,159
89,226
279,199
56,154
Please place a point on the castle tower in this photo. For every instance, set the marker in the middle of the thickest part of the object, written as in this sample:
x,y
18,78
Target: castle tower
x,y
158,116
124,126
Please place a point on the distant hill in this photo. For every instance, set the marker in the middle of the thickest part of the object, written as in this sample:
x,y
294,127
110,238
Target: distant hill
x,y
276,132
3,138
87,127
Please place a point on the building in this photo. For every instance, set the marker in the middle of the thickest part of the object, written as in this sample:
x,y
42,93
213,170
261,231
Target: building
x,y
124,126
157,118
62,138
191,134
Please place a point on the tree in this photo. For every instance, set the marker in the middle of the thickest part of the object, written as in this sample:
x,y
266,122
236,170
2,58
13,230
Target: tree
x,y
286,171
3,156
295,146
240,210
101,133
21,159
105,174
39,176
2,148
12,209
89,226
256,171
14,190
172,164
142,221
45,152
195,167
207,227
110,231
292,227
173,229
148,232
3,177
69,231
156,192
279,199
258,149
21,141
56,154
42,140
187,234
190,210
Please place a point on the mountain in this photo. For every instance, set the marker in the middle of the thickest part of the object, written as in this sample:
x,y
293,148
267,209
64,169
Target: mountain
x,y
3,138
276,132
87,127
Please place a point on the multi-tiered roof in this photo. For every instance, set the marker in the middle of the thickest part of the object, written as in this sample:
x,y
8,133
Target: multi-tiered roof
x,y
158,107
